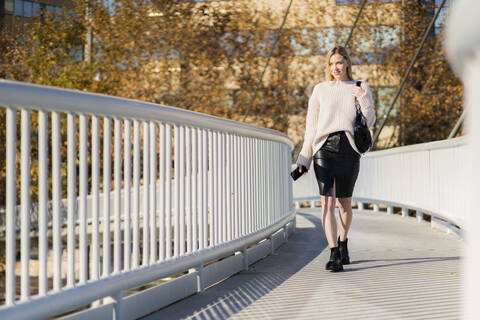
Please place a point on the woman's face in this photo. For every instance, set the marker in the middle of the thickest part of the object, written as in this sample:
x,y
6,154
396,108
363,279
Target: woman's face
x,y
338,67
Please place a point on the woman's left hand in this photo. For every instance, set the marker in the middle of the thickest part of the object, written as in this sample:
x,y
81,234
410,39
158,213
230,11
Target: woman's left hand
x,y
358,92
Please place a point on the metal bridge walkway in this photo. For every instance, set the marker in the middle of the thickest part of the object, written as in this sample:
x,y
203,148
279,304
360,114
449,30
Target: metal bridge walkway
x,y
400,269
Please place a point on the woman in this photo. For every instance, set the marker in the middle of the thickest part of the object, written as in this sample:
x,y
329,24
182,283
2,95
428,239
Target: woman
x,y
329,141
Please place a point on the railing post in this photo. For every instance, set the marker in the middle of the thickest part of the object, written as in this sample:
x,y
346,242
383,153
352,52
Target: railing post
x,y
127,194
404,212
95,190
390,210
56,201
146,195
82,202
10,213
136,194
25,205
153,192
43,200
107,177
245,258
375,207
360,206
272,247
200,284
419,215
117,248
118,306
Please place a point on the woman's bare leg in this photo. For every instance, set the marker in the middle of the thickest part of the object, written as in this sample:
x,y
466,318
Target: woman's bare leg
x,y
328,219
345,216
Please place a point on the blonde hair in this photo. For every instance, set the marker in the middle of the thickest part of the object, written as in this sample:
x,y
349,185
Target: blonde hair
x,y
343,52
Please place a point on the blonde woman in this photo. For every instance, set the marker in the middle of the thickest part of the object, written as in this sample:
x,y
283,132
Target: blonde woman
x,y
329,142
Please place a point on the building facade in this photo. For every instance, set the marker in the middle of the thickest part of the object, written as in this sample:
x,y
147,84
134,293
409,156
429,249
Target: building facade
x,y
17,12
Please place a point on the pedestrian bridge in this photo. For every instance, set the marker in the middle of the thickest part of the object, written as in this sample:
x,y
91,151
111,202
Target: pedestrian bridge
x,y
175,202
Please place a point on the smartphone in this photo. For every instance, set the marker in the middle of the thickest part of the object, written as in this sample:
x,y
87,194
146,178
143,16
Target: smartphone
x,y
297,174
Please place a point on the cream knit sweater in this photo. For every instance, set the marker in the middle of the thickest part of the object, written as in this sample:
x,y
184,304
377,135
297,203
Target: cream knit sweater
x,y
331,108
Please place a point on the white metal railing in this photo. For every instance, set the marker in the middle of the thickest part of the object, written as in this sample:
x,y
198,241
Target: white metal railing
x,y
429,178
210,188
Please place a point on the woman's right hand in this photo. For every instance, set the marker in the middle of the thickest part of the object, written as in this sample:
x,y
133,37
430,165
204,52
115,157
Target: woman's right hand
x,y
301,169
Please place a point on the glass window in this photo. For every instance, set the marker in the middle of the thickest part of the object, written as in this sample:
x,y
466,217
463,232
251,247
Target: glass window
x,y
442,16
317,42
388,36
229,41
36,10
19,8
439,2
346,2
264,42
9,6
385,98
374,43
364,58
77,53
299,42
50,10
27,9
366,39
329,37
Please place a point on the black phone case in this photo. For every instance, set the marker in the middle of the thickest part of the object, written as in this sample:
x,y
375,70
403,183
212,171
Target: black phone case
x,y
296,174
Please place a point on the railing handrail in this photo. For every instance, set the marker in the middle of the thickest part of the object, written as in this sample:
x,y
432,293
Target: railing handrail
x,y
33,96
433,145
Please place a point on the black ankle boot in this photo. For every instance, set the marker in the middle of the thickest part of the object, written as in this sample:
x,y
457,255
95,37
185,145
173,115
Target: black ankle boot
x,y
335,263
342,247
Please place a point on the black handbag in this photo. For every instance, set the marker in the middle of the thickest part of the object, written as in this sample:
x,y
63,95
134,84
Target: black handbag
x,y
363,138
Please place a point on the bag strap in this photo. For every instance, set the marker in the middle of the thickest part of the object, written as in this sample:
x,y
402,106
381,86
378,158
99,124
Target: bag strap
x,y
357,104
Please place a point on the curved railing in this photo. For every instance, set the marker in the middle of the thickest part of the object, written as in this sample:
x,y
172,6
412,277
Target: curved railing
x,y
424,179
192,196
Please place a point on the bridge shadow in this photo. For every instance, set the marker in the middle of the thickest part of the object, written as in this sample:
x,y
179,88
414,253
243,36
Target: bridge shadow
x,y
233,295
293,281
385,263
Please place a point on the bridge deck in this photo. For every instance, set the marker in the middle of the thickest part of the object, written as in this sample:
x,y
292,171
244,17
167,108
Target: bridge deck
x,y
400,269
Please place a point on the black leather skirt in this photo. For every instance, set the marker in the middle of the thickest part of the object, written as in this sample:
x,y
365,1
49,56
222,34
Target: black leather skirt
x,y
336,161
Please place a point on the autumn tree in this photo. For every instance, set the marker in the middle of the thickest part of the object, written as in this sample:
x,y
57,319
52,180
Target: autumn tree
x,y
432,100
210,57
185,54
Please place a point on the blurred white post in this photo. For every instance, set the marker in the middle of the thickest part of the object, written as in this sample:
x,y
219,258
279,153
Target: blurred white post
x,y
463,48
